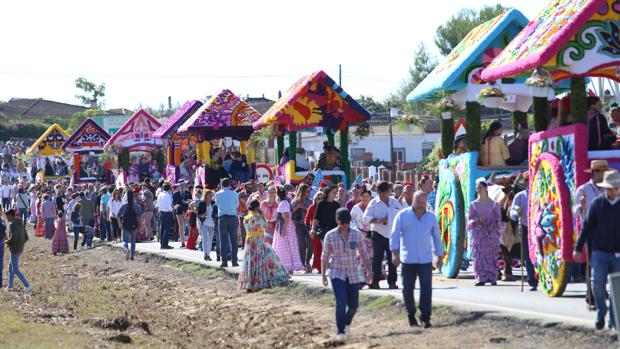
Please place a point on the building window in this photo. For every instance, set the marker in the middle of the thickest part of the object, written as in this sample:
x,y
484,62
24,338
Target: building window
x,y
357,154
427,148
399,155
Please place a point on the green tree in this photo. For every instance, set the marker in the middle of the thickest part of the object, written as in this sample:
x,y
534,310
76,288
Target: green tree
x,y
371,105
54,119
91,92
452,32
78,118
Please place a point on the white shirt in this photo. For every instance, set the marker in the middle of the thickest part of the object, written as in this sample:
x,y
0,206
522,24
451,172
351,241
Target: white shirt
x,y
114,206
6,191
591,191
164,202
377,209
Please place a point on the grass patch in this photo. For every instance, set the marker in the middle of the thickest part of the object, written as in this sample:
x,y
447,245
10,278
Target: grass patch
x,y
17,333
379,303
196,269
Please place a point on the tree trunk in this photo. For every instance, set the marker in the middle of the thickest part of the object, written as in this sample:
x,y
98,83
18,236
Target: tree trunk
x,y
344,154
541,113
578,109
472,118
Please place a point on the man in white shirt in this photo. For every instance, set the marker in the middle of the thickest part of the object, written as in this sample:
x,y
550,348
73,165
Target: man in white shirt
x,y
380,214
6,190
164,204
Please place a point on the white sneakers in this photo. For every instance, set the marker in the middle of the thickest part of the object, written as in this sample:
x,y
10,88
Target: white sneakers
x,y
343,337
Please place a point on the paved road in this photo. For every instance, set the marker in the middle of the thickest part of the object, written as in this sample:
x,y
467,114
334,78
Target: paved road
x,y
504,299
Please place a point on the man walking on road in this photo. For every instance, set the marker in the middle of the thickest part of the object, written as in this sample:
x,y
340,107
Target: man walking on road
x,y
518,213
164,204
602,233
414,238
380,214
227,202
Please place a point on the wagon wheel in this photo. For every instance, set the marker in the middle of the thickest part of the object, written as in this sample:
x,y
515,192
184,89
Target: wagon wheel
x,y
450,215
549,206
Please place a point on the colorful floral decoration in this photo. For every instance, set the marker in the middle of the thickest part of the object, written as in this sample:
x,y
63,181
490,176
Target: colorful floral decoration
x,y
314,101
170,128
490,92
136,133
557,161
568,38
446,105
50,142
89,137
462,68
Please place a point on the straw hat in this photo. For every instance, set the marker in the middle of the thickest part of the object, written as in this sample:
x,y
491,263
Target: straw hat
x,y
597,165
611,180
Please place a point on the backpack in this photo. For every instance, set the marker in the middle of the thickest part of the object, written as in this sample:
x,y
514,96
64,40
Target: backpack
x,y
130,219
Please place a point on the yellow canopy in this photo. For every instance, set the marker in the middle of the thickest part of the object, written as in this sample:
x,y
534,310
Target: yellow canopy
x,y
50,143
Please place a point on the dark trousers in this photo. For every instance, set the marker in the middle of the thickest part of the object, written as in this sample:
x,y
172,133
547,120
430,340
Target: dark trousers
x,y
115,228
104,228
409,273
166,227
305,243
228,237
381,247
531,276
6,203
1,262
347,301
76,237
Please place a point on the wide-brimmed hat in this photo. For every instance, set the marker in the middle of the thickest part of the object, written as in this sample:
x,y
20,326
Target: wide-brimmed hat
x,y
611,180
597,165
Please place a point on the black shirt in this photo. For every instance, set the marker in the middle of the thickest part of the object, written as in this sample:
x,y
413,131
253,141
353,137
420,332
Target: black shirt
x,y
326,215
600,228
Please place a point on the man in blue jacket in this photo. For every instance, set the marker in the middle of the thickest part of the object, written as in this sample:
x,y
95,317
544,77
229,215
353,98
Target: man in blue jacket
x,y
602,233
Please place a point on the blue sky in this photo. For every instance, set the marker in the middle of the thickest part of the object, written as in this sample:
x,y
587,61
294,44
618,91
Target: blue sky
x,y
145,51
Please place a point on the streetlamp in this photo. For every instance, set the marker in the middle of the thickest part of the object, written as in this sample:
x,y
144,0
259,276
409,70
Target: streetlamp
x,y
393,113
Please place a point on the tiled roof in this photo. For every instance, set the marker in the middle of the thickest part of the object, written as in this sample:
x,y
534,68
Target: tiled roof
x,y
33,108
261,104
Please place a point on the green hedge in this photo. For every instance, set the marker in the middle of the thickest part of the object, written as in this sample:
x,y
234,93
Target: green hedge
x,y
21,129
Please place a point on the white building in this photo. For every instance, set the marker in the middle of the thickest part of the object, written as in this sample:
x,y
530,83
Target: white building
x,y
411,145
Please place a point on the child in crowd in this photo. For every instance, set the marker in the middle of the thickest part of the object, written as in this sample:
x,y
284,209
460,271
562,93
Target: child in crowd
x,y
59,241
193,226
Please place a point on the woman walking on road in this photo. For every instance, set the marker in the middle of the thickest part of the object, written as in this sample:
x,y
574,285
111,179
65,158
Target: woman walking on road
x,y
484,220
300,204
269,208
261,266
316,242
285,238
60,244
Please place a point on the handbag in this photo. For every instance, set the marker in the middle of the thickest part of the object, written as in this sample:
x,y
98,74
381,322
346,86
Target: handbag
x,y
280,228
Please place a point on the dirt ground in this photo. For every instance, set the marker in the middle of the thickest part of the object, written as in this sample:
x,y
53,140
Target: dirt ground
x,y
154,303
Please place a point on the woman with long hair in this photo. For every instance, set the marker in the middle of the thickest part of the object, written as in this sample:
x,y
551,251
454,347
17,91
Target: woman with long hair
x,y
316,242
300,204
324,218
494,151
128,215
207,223
269,207
484,223
358,222
261,266
114,205
285,238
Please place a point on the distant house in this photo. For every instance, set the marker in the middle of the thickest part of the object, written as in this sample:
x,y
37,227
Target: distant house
x,y
37,108
261,104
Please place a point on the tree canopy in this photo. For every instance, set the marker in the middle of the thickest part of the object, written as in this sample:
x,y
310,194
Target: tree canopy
x,y
452,32
91,92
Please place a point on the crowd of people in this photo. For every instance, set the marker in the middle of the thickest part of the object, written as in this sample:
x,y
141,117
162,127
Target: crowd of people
x,y
361,235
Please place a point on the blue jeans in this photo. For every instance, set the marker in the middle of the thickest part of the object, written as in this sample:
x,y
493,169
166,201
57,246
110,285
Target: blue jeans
x,y
602,264
531,276
14,270
228,237
129,235
347,301
49,227
166,227
76,237
409,273
1,261
23,214
104,229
